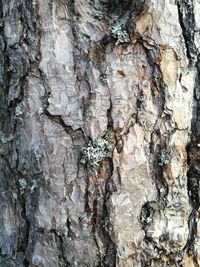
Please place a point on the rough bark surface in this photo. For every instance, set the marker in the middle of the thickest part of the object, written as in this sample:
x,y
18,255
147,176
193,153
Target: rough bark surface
x,y
76,70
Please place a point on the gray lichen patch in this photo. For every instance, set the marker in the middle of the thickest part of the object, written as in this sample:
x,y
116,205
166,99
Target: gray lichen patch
x,y
24,186
4,142
120,33
95,152
5,139
165,156
18,111
103,78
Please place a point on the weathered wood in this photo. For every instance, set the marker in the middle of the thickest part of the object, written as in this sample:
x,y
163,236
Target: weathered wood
x,y
99,138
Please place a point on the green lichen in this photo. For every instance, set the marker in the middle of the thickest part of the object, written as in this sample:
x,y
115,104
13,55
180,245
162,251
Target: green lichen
x,y
120,33
95,152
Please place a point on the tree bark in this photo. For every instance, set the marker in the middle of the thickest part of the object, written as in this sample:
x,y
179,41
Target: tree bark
x,y
125,74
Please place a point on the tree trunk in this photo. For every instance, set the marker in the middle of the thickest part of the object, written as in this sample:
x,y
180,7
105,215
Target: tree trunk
x,y
99,138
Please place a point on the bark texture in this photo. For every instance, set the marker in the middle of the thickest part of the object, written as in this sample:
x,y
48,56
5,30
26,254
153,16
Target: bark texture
x,y
76,70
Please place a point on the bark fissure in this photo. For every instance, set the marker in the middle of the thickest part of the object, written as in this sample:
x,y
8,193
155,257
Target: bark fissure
x,y
193,171
186,19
